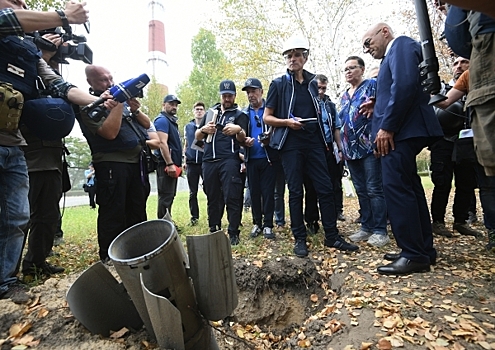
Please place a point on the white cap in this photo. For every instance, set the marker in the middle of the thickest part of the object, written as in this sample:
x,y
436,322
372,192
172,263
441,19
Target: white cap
x,y
295,42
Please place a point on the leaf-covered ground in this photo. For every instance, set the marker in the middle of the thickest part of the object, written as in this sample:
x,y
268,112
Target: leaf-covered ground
x,y
330,300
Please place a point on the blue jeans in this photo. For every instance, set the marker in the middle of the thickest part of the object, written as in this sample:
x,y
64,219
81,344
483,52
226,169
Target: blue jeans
x,y
14,211
487,196
367,179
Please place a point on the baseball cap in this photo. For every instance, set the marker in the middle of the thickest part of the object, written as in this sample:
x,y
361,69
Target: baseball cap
x,y
227,87
171,98
252,83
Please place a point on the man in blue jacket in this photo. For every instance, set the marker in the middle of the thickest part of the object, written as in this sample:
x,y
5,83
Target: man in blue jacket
x,y
293,110
404,124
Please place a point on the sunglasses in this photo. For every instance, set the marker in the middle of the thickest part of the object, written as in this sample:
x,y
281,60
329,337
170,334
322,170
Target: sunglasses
x,y
367,42
258,121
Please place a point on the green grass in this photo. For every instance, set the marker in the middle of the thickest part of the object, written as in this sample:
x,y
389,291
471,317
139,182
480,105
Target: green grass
x,y
81,245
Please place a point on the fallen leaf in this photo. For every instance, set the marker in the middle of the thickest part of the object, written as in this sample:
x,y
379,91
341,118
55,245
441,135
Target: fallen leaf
x,y
314,298
119,334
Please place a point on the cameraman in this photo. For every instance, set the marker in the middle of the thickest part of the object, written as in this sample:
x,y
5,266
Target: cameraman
x,y
115,142
15,20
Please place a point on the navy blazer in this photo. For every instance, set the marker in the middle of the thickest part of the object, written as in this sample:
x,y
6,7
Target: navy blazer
x,y
400,105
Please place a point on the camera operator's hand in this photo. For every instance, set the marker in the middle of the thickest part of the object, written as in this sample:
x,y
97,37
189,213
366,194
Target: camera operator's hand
x,y
110,104
134,104
249,142
76,13
55,39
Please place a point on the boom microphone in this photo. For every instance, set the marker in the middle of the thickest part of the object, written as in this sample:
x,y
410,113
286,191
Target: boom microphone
x,y
123,91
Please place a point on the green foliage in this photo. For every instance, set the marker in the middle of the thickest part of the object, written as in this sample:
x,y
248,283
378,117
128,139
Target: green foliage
x,y
210,68
45,5
151,103
80,154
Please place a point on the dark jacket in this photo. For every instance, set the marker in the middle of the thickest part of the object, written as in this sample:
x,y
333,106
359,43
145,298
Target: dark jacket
x,y
285,88
401,105
192,156
127,138
224,146
174,142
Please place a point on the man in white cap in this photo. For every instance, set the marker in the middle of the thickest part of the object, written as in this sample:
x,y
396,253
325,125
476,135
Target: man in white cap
x,y
292,108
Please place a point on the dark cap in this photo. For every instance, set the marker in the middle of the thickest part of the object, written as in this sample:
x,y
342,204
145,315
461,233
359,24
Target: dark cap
x,y
252,83
227,87
171,98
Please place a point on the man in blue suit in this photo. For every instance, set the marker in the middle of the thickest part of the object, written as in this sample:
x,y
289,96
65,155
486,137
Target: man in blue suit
x,y
404,124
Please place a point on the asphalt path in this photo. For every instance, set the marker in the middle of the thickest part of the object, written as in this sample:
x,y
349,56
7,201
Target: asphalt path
x,y
78,200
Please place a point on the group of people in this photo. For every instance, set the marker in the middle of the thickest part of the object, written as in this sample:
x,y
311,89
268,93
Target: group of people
x,y
294,137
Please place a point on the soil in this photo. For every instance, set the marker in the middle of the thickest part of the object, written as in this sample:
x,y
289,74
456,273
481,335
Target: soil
x,y
329,300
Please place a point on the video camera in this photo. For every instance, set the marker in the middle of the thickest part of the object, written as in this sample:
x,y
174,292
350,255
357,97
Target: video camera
x,y
73,46
121,92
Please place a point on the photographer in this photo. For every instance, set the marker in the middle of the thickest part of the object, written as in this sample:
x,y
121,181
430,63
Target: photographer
x,y
15,20
262,162
115,142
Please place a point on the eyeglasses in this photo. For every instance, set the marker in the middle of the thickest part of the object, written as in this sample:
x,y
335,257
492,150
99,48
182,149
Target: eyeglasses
x,y
296,54
367,42
348,69
323,88
258,121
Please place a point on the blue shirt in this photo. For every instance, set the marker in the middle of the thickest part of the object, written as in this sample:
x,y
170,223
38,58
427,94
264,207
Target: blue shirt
x,y
168,125
355,131
256,128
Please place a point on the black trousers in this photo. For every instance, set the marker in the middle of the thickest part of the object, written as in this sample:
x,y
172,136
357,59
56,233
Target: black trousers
x,y
121,196
223,186
443,170
92,194
193,175
311,213
261,181
45,191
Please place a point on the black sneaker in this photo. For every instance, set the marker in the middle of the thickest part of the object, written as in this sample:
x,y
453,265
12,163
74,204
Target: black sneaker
x,y
234,240
16,293
255,231
312,228
464,229
268,233
49,269
341,216
193,222
341,244
300,248
439,228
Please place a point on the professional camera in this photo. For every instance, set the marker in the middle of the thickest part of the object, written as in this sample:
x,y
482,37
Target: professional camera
x,y
264,138
73,46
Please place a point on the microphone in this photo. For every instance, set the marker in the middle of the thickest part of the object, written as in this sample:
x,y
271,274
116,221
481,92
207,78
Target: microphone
x,y
122,91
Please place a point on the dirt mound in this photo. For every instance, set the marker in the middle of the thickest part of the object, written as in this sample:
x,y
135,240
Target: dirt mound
x,y
276,294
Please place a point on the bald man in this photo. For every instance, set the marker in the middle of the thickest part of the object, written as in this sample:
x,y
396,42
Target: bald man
x,y
403,124
116,141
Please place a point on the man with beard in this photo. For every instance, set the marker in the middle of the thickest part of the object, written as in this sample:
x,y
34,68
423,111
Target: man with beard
x,y
169,156
223,133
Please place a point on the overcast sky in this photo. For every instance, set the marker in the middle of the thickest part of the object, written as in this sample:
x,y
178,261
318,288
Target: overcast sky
x,y
119,39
